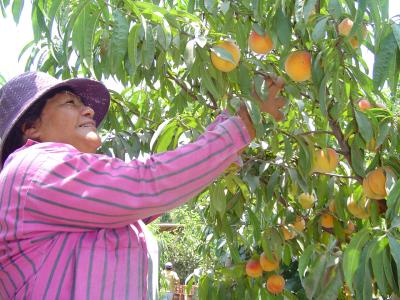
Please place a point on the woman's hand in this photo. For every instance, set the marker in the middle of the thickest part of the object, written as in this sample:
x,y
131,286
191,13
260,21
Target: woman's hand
x,y
270,105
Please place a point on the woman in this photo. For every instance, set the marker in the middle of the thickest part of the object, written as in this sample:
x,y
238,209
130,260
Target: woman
x,y
72,221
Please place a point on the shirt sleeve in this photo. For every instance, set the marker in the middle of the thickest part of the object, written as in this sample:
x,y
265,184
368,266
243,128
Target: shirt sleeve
x,y
87,191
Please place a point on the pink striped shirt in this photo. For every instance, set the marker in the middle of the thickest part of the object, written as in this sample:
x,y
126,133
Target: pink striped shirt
x,y
71,223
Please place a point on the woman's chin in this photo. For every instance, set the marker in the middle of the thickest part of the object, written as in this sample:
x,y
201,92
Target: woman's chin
x,y
93,142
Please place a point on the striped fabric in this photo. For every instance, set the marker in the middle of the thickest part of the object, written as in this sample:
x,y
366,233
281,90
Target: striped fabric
x,y
70,222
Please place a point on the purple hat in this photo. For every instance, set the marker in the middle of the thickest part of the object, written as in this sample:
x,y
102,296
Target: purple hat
x,y
18,94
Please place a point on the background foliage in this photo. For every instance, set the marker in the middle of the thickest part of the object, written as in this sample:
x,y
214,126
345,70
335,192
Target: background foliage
x,y
180,246
160,52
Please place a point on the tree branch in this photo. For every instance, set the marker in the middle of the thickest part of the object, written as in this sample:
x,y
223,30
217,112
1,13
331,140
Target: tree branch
x,y
345,148
190,92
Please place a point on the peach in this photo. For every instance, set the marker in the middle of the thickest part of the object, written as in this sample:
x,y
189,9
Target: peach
x,y
222,64
374,184
299,224
350,227
345,26
364,104
306,200
275,284
260,44
253,268
360,209
326,220
288,233
298,65
267,264
325,161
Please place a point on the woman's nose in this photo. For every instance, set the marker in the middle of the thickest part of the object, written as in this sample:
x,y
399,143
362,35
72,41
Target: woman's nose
x,y
87,111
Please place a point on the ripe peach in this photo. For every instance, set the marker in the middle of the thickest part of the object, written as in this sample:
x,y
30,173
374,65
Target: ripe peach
x,y
288,233
222,64
325,161
364,104
298,65
260,44
253,268
326,220
374,184
275,284
345,26
306,200
354,41
350,227
360,209
267,264
299,224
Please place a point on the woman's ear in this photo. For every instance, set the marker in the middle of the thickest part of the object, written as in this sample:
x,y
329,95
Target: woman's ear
x,y
31,131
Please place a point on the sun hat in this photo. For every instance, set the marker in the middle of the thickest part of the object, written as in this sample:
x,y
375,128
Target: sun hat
x,y
168,266
19,93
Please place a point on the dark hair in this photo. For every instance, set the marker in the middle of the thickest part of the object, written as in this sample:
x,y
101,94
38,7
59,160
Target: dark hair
x,y
15,138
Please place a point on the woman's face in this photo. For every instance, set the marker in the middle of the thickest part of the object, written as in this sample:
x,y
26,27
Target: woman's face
x,y
65,119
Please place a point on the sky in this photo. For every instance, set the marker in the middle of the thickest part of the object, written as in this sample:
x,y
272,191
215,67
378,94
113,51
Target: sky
x,y
15,37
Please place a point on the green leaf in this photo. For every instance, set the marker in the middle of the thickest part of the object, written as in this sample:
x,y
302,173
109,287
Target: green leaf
x,y
383,132
387,267
335,9
223,54
396,33
243,187
361,8
320,29
364,125
304,260
283,27
148,48
383,59
2,80
272,182
244,79
256,224
217,197
158,132
394,244
190,52
312,281
133,40
309,8
119,40
305,157
254,111
209,85
357,158
38,22
16,9
322,96
352,254
362,278
378,267
393,201
84,30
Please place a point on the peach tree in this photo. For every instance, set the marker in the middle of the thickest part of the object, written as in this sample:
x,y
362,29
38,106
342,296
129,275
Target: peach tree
x,y
332,140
